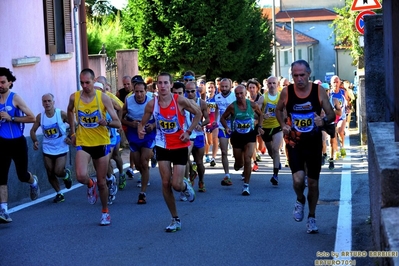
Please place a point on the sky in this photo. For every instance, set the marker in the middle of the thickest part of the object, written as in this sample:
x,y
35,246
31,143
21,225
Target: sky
x,y
122,3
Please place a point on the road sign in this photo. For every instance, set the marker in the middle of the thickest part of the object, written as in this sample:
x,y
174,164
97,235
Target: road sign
x,y
359,23
359,5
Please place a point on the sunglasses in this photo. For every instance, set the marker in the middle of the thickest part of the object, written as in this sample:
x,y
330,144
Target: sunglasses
x,y
187,80
190,91
271,83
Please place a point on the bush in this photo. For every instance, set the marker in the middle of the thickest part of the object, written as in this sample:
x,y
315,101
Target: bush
x,y
107,32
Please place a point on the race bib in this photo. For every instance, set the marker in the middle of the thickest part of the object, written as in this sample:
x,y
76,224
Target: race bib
x,y
271,109
303,122
89,120
51,131
168,126
243,126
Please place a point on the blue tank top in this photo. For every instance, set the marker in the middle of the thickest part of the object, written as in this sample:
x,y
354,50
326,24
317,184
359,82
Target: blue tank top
x,y
10,129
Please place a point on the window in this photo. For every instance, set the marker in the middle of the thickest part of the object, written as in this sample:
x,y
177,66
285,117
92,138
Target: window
x,y
58,26
299,53
285,58
310,54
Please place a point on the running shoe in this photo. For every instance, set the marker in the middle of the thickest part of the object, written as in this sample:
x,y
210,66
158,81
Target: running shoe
x,y
68,180
201,186
5,217
92,192
154,161
212,162
182,196
331,164
274,180
34,190
323,159
287,163
174,226
194,167
338,155
298,211
189,192
258,158
226,181
122,181
343,152
111,199
105,219
130,173
142,199
112,186
263,150
139,183
255,168
59,198
192,178
207,159
245,190
311,226
193,174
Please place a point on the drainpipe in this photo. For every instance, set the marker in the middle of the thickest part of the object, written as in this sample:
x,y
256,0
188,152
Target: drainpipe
x,y
83,35
77,41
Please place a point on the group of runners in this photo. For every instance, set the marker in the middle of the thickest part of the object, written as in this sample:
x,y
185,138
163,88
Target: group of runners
x,y
169,125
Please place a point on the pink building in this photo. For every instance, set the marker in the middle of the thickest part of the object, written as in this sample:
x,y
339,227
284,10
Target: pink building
x,y
38,51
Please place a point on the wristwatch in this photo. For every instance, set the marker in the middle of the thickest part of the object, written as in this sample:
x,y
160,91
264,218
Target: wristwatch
x,y
12,118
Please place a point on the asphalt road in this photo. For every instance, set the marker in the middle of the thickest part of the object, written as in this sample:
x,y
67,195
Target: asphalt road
x,y
221,227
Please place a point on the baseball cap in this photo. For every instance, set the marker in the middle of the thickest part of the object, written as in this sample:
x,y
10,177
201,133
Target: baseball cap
x,y
325,86
99,85
137,78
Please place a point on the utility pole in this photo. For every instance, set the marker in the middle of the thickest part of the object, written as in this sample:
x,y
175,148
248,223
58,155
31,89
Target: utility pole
x,y
276,64
77,42
293,39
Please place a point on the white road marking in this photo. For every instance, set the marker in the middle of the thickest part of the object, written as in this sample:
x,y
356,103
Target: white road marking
x,y
343,238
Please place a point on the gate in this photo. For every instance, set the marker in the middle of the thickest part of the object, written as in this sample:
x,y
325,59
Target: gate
x,y
111,69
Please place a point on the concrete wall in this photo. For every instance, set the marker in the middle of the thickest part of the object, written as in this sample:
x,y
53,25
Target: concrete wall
x,y
97,64
382,149
384,188
128,65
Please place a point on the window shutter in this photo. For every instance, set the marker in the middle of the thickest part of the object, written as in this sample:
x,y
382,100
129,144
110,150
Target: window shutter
x,y
49,13
68,38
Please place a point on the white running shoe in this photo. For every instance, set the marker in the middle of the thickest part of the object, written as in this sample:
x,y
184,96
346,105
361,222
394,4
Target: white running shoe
x,y
189,192
245,190
112,185
105,219
298,211
311,226
174,226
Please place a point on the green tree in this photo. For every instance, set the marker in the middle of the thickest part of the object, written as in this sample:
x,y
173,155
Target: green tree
x,y
107,32
216,38
345,30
